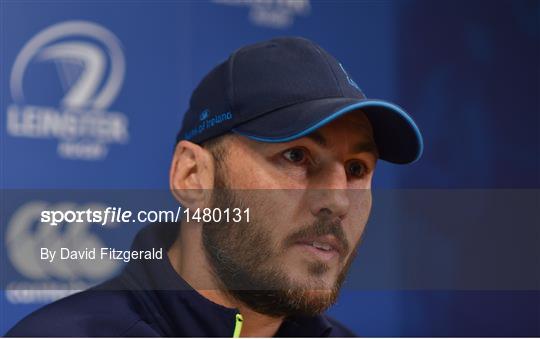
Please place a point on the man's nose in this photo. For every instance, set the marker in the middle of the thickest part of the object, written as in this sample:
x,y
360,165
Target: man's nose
x,y
328,192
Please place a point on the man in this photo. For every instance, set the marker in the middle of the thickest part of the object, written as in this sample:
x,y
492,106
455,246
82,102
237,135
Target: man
x,y
280,130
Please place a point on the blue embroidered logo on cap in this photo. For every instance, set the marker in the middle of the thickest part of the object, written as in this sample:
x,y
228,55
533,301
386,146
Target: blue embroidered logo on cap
x,y
203,115
207,123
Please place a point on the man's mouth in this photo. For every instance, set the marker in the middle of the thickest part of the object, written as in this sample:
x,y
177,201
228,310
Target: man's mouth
x,y
324,248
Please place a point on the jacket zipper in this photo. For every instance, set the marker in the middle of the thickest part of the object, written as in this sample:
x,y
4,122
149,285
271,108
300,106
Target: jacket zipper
x,y
238,325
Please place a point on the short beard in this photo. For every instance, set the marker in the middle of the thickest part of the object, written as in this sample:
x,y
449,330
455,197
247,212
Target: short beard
x,y
239,255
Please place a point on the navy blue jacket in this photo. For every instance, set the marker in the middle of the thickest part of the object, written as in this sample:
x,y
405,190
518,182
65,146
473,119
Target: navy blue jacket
x,y
150,299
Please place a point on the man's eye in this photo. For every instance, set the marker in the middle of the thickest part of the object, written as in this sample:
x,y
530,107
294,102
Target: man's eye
x,y
356,169
295,155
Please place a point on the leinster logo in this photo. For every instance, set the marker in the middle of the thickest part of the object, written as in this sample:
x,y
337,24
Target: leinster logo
x,y
90,68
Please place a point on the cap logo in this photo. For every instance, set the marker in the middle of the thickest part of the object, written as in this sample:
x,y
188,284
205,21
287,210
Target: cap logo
x,y
203,115
349,79
207,123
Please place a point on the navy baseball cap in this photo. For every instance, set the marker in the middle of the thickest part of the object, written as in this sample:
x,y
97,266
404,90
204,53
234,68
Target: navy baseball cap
x,y
285,88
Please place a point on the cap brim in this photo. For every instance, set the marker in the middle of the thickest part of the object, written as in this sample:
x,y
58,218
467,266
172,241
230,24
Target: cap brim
x,y
397,137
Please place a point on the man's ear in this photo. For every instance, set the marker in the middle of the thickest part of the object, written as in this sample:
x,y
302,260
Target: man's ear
x,y
192,174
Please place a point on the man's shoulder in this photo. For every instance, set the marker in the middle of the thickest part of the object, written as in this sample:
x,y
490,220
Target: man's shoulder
x,y
90,313
338,329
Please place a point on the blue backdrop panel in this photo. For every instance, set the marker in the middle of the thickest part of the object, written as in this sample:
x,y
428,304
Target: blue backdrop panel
x,y
467,71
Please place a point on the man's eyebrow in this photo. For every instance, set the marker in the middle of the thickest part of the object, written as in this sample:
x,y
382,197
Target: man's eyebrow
x,y
318,138
361,147
366,147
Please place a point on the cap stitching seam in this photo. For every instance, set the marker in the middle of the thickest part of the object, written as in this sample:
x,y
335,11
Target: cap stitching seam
x,y
282,107
330,67
231,81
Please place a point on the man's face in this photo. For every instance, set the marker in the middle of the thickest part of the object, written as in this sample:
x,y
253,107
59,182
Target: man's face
x,y
309,202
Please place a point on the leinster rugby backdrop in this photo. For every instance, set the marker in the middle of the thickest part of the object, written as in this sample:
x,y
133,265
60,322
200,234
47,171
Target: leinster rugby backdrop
x,y
92,96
